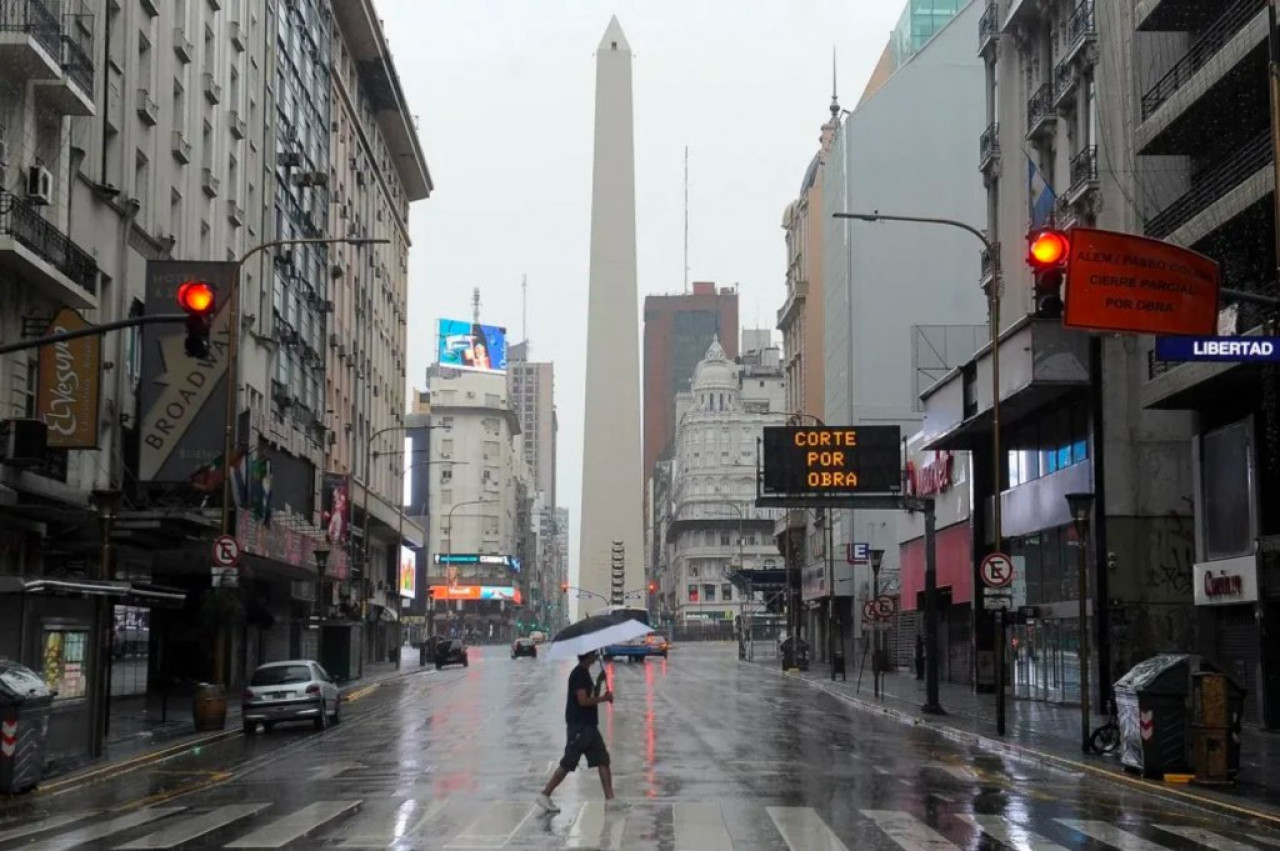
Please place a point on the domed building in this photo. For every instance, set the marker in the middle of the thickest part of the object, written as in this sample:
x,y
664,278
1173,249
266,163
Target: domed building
x,y
715,528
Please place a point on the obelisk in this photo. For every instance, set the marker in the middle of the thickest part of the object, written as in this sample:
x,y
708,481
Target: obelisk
x,y
612,484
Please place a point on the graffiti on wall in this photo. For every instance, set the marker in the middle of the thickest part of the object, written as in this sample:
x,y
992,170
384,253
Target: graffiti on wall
x,y
1169,566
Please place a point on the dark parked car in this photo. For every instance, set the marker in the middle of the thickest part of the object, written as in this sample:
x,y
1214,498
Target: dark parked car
x,y
524,647
452,652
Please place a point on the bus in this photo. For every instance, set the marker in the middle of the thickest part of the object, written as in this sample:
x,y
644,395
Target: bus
x,y
638,648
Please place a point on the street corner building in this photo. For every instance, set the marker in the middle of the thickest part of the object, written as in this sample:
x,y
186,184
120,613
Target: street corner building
x,y
133,165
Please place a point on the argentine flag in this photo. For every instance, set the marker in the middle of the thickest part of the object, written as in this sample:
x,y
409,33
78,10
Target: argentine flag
x,y
1041,196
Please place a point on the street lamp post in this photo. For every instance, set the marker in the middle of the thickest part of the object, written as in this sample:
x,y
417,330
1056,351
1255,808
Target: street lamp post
x,y
1081,511
877,673
994,291
320,551
828,537
448,537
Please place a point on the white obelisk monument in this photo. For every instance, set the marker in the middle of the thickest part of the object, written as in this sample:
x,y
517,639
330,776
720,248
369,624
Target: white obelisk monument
x,y
612,483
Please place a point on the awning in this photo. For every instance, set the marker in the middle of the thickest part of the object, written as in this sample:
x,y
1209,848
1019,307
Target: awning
x,y
137,594
768,579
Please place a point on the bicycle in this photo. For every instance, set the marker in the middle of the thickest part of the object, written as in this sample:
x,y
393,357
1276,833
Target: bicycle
x,y
1106,739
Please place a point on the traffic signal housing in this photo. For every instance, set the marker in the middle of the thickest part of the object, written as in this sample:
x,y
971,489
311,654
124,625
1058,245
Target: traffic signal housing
x,y
198,300
653,587
1047,253
564,587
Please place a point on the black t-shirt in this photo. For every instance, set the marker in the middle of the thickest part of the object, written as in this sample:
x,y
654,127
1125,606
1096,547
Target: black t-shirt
x,y
575,715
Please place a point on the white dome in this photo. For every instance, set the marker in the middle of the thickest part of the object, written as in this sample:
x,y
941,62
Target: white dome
x,y
715,371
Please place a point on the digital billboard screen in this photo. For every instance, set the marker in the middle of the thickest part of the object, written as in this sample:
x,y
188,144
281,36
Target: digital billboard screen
x,y
408,573
476,592
470,345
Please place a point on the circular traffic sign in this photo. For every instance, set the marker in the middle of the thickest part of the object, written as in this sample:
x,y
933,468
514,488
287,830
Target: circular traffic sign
x,y
226,552
997,570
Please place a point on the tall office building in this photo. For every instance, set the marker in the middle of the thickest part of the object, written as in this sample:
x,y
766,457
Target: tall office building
x,y
532,392
612,482
678,329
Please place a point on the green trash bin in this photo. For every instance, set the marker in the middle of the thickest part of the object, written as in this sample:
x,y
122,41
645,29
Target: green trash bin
x,y
1154,716
24,727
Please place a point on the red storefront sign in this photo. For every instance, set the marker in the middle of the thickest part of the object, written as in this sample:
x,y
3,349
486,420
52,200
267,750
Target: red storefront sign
x,y
931,478
954,563
1223,585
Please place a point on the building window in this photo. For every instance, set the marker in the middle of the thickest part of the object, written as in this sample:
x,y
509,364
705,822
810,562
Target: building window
x,y
709,593
446,475
726,592
693,593
1227,491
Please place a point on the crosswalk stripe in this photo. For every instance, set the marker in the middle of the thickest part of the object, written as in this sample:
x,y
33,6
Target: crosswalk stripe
x,y
700,827
596,828
1111,835
908,831
101,830
193,828
804,830
1265,840
374,831
1011,833
495,827
294,826
41,826
957,772
1206,837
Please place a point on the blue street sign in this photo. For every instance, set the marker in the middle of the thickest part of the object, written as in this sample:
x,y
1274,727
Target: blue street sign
x,y
858,553
1225,349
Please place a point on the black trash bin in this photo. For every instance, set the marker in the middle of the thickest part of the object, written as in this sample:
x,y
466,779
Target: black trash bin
x,y
24,727
1152,712
393,655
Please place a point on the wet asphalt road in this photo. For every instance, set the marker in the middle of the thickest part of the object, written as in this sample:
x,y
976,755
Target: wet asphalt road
x,y
709,753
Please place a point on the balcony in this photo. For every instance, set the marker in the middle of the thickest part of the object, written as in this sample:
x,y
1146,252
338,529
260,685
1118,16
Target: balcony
x,y
989,147
235,213
1212,185
30,40
239,128
182,46
38,253
989,29
1065,83
1232,21
990,262
181,147
1042,118
1082,33
210,183
148,109
1084,174
237,36
212,89
71,93
1174,15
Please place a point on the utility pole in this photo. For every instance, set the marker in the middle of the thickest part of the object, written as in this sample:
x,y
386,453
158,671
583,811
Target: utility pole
x,y
1273,74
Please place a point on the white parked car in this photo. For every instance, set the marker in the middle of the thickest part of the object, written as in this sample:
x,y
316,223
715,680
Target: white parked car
x,y
295,690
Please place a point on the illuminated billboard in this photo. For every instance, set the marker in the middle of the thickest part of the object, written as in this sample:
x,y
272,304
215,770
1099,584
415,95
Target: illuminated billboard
x,y
468,345
476,592
478,558
408,573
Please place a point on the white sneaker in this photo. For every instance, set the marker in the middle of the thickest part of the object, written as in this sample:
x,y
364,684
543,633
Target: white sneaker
x,y
548,805
615,804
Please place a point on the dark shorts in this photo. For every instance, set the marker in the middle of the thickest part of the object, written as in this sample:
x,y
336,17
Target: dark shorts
x,y
584,741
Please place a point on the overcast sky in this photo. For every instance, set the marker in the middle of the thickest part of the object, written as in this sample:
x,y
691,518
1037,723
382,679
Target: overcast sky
x,y
503,93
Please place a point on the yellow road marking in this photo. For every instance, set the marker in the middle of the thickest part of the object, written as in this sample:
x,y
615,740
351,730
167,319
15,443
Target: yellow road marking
x,y
214,778
359,693
108,771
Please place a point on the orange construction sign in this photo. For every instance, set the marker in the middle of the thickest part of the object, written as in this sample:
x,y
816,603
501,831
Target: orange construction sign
x,y
1121,282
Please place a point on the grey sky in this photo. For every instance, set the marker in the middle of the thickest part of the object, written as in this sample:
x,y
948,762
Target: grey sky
x,y
503,92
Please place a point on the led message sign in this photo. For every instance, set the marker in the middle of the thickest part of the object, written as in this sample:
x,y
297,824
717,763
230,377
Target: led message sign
x,y
832,460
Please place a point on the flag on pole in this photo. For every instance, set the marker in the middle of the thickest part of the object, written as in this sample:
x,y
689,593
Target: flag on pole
x,y
1040,194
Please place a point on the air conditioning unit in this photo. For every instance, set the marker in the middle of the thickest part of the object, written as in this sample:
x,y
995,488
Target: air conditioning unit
x,y
289,159
23,443
285,258
39,185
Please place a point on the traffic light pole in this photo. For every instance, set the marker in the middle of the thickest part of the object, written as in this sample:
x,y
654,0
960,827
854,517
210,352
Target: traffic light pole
x,y
93,331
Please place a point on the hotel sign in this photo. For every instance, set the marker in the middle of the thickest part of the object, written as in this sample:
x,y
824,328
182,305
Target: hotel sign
x,y
832,460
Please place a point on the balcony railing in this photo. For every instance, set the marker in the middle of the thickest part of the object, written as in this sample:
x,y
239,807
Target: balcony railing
x,y
1064,84
1212,185
1205,48
988,26
33,17
989,145
1040,109
1084,167
76,62
22,222
1080,25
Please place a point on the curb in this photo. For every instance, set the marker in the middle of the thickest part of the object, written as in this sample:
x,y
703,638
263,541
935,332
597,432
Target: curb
x,y
96,774
1017,751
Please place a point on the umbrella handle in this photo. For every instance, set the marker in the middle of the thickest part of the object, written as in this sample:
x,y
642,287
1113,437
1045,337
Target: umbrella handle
x,y
601,679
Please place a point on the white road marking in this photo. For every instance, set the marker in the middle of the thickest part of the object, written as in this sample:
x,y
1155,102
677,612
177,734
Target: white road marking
x,y
42,825
1206,837
376,828
333,769
700,827
597,828
958,772
1265,840
294,826
1111,835
190,829
908,831
804,830
494,829
1011,833
101,830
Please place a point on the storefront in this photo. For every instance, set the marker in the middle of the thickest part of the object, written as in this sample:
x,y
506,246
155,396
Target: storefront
x,y
944,477
1227,603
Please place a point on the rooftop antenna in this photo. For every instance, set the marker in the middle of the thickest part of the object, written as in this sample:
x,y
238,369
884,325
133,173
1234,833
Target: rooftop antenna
x,y
835,100
686,219
475,305
524,311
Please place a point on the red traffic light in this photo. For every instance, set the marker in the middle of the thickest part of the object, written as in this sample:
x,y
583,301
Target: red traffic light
x,y
653,587
196,297
1047,249
564,587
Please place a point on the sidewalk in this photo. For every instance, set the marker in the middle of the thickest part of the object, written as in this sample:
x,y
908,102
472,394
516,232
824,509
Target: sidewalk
x,y
145,726
1048,732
